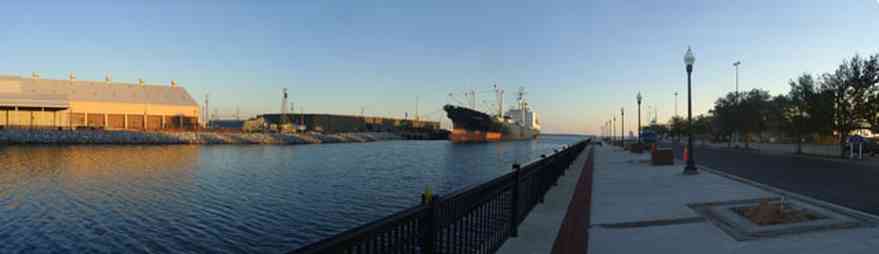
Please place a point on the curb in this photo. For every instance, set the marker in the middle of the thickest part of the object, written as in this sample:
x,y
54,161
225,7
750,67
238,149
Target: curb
x,y
788,194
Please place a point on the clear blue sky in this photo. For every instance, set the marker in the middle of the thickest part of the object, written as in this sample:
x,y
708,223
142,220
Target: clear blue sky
x,y
580,60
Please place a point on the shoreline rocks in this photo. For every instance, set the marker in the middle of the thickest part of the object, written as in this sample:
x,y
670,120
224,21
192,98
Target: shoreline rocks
x,y
71,137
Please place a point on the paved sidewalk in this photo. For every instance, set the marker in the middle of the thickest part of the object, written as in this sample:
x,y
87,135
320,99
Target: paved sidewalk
x,y
639,208
540,229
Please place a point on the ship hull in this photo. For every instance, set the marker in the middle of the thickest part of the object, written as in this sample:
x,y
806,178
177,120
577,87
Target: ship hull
x,y
471,126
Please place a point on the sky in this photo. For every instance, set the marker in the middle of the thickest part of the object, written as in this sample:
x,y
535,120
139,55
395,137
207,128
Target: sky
x,y
579,61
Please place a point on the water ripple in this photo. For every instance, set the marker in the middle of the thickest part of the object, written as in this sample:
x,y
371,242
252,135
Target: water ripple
x,y
226,199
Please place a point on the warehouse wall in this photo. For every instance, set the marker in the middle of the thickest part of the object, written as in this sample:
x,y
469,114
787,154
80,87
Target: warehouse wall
x,y
106,115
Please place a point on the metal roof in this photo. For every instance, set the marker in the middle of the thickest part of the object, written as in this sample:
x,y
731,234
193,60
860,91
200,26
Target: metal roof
x,y
14,89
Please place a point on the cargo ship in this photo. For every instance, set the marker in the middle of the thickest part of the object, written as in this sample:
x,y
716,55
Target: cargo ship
x,y
472,126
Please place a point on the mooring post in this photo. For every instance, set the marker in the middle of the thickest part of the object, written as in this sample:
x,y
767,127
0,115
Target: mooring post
x,y
514,225
430,228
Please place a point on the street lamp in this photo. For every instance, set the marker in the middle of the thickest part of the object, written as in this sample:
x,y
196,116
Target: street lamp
x,y
639,117
622,127
736,64
614,129
689,59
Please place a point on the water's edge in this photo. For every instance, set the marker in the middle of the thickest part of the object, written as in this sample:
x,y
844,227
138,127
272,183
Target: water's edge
x,y
84,137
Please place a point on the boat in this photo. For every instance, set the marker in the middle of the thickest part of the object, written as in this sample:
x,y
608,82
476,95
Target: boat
x,y
473,126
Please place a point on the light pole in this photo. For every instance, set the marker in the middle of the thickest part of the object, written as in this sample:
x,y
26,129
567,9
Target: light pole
x,y
639,117
736,64
655,113
614,128
622,128
689,59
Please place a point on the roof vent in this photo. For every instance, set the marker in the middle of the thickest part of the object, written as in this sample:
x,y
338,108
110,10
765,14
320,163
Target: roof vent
x,y
35,75
173,83
72,76
108,78
140,81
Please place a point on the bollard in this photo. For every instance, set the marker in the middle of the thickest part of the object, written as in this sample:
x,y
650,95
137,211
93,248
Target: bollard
x,y
514,225
429,233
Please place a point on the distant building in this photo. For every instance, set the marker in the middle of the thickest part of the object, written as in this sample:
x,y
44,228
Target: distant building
x,y
335,123
35,102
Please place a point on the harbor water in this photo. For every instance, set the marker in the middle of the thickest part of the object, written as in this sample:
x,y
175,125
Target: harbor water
x,y
227,198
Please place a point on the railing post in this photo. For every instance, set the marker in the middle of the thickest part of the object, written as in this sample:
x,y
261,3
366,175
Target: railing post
x,y
429,237
514,225
544,178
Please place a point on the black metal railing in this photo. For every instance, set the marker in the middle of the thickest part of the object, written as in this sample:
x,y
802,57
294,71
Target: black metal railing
x,y
477,219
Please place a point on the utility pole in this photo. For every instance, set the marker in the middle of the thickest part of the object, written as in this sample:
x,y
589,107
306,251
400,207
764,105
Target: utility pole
x,y
655,114
639,117
416,108
206,110
736,64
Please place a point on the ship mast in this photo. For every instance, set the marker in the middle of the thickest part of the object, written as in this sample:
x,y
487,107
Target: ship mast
x,y
521,98
499,98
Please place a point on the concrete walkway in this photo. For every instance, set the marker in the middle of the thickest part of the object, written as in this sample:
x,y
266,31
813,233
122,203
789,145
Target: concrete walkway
x,y
540,229
639,208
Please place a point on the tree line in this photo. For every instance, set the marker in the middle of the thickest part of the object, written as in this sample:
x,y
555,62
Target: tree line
x,y
833,104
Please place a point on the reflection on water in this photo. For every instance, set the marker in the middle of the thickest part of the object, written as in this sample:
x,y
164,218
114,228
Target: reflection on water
x,y
226,198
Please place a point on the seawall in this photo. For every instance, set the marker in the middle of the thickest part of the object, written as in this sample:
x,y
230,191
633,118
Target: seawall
x,y
48,136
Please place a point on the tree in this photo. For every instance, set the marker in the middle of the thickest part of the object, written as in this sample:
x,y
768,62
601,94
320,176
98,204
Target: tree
x,y
702,125
852,86
807,111
677,127
660,129
725,120
873,115
839,103
776,119
870,78
754,113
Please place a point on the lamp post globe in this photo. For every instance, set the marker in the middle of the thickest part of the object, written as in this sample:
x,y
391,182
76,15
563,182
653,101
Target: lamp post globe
x,y
689,60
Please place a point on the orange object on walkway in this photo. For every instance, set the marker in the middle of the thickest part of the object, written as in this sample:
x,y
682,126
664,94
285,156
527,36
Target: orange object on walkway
x,y
685,153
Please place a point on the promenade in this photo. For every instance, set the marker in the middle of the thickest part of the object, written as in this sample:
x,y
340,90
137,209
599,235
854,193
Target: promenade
x,y
636,207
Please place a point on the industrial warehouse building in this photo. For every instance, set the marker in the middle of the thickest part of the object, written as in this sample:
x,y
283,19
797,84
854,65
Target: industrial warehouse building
x,y
34,102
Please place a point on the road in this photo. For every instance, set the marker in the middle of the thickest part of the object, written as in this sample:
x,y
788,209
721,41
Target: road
x,y
853,185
